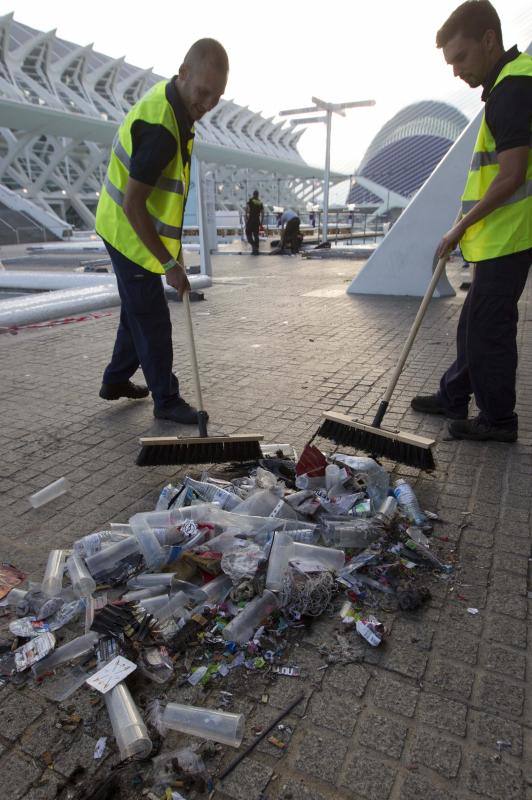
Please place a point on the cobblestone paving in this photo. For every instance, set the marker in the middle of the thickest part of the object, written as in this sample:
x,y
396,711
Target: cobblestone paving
x,y
279,342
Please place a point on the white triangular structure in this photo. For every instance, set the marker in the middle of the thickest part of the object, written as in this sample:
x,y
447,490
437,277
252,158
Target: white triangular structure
x,y
403,262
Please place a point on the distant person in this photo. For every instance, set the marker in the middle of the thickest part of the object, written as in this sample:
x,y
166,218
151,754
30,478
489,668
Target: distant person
x,y
289,223
254,221
495,230
312,218
140,218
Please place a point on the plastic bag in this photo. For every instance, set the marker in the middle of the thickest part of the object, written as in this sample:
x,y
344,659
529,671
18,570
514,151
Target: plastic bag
x,y
242,563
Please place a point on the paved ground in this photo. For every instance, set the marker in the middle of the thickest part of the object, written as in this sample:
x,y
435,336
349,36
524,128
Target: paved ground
x,y
279,341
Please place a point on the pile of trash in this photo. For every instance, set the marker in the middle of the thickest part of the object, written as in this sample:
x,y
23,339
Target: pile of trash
x,y
234,565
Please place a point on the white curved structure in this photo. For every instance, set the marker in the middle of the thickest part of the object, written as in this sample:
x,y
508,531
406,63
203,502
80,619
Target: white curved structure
x,y
60,106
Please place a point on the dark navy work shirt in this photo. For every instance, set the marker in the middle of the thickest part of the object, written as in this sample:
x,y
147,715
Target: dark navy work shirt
x,y
508,106
154,146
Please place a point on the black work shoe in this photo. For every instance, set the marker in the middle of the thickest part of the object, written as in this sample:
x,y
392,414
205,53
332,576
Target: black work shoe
x,y
114,391
478,430
181,412
431,404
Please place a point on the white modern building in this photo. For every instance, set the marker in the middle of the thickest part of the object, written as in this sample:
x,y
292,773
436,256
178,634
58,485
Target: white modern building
x,y
60,106
403,154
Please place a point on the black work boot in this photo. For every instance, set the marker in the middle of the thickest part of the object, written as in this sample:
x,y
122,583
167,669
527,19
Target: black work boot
x,y
114,391
182,413
480,430
431,404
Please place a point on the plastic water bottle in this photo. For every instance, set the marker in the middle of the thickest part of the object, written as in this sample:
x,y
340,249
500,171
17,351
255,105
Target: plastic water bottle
x,y
408,502
92,543
213,494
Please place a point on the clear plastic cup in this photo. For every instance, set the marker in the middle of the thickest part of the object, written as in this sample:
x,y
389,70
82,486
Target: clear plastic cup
x,y
76,648
53,574
128,726
243,626
50,492
106,560
151,579
331,559
278,563
217,590
153,604
175,607
82,581
154,554
218,726
137,595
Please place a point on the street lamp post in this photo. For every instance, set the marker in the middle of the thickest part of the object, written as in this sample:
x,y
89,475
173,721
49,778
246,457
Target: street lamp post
x,y
329,108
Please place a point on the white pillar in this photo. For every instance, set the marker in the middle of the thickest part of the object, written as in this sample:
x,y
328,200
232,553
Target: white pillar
x,y
325,232
205,251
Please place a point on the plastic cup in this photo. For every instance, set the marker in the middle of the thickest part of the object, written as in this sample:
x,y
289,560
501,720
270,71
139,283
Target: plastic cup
x,y
50,492
137,595
151,579
219,726
278,563
153,604
106,560
153,553
53,574
76,648
128,726
82,581
243,626
175,607
217,590
331,559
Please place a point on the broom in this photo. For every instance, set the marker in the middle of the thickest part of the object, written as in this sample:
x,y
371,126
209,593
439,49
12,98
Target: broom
x,y
402,446
202,449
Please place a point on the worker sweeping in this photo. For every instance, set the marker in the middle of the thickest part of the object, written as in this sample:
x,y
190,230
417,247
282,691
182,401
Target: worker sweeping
x,y
495,229
140,218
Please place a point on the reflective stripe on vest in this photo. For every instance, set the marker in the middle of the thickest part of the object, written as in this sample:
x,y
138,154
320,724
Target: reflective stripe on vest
x,y
168,185
162,228
507,229
166,201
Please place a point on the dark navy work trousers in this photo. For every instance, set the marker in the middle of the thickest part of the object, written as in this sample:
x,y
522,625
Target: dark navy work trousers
x,y
144,335
486,347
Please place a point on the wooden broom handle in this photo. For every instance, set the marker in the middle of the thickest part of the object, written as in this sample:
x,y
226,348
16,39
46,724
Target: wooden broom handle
x,y
192,347
436,275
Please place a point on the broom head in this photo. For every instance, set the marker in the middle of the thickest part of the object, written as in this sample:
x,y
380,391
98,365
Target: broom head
x,y
162,450
402,446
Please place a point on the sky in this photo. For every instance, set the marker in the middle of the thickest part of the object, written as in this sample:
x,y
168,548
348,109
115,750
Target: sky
x,y
283,54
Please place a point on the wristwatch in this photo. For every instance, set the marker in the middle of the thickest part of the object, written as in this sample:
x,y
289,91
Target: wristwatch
x,y
171,264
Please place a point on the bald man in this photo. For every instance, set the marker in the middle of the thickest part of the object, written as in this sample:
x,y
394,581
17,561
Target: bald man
x,y
140,218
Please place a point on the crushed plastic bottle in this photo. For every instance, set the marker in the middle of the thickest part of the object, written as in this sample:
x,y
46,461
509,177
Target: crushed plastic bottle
x,y
375,477
33,651
168,493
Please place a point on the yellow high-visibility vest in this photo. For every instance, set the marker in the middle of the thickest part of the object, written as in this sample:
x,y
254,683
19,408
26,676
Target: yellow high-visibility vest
x,y
166,203
508,229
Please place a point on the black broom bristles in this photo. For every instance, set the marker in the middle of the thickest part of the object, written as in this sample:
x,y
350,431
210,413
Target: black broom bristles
x,y
377,444
207,452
